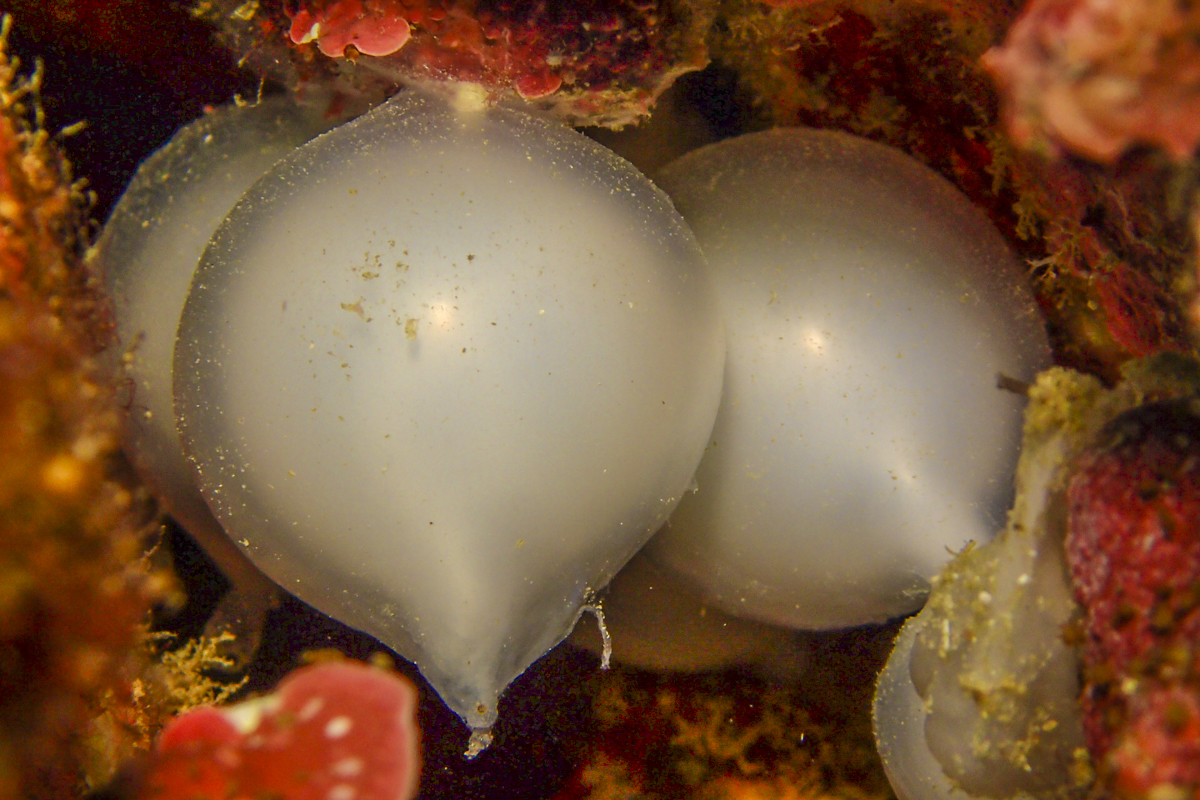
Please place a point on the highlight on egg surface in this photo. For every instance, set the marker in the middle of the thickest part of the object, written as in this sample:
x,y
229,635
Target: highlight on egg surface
x,y
441,374
870,311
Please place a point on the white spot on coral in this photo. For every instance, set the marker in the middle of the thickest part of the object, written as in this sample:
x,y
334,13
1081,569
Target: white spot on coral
x,y
246,716
343,791
310,35
311,709
338,727
348,767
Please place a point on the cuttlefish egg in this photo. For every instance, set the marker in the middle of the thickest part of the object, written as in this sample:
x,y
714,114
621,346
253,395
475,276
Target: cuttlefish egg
x,y
442,372
147,253
149,250
862,436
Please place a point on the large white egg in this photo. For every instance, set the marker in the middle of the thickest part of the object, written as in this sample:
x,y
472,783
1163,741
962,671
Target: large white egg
x,y
442,372
861,438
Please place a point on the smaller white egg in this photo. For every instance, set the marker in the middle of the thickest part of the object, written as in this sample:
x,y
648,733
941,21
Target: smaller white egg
x,y
149,249
861,437
147,253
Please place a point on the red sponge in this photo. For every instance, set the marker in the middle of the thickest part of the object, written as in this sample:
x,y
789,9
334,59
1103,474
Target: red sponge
x,y
335,731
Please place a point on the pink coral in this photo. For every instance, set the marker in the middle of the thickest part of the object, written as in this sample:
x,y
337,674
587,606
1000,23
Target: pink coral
x,y
1096,77
334,731
454,41
375,28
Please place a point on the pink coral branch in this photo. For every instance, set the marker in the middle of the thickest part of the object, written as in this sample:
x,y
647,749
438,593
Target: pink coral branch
x,y
1096,77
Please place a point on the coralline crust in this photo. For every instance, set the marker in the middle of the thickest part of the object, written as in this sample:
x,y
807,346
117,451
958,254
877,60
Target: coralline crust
x,y
587,63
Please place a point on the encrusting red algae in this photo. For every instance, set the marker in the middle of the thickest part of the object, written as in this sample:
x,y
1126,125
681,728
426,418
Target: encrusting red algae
x,y
590,63
1133,548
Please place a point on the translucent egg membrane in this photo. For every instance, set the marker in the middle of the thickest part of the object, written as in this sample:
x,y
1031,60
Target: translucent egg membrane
x,y
148,253
441,373
862,435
